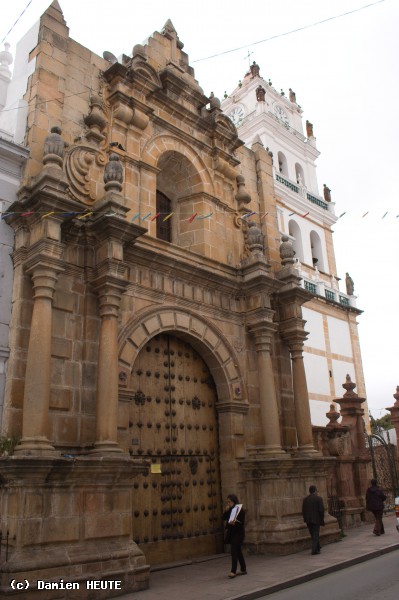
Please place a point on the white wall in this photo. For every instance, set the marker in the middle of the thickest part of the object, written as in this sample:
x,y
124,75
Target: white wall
x,y
314,325
339,334
317,374
340,369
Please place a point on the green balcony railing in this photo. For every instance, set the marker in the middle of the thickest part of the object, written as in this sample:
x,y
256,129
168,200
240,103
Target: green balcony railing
x,y
287,183
310,287
344,300
317,201
330,295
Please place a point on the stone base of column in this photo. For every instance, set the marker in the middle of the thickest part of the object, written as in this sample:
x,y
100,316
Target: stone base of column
x,y
70,524
35,446
306,450
106,448
274,490
267,452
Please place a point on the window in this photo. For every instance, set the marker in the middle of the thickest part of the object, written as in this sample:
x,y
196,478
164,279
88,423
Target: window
x,y
317,252
164,228
299,174
295,233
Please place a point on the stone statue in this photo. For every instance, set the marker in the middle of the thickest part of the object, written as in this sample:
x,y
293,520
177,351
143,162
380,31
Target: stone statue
x,y
292,96
254,70
350,286
260,93
309,129
327,193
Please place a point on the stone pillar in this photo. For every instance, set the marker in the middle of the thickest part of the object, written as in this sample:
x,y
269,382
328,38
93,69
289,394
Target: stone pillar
x,y
107,368
263,333
301,397
394,410
38,369
352,416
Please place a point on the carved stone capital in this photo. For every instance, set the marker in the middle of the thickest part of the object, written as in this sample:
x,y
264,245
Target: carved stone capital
x,y
263,332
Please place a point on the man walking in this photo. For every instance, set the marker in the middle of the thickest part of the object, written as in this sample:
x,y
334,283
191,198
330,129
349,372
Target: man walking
x,y
313,515
375,503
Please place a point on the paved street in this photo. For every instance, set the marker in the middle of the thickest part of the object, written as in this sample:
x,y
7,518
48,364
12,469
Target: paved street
x,y
376,579
208,580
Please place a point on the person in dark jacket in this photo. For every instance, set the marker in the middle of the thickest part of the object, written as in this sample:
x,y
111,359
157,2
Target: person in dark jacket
x,y
235,535
313,515
375,503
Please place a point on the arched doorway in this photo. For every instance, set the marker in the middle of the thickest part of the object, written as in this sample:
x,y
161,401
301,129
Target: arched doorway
x,y
173,423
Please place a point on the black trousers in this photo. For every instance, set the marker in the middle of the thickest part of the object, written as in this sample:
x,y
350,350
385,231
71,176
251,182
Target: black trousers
x,y
314,531
237,556
379,525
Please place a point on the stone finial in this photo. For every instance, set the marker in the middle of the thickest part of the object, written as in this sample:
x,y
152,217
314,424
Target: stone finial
x,y
5,61
113,174
309,129
287,251
292,95
54,148
213,101
260,93
349,386
332,415
96,120
254,238
139,51
396,396
254,70
242,197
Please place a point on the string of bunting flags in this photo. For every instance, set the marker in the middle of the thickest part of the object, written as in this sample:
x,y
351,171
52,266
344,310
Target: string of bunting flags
x,y
80,215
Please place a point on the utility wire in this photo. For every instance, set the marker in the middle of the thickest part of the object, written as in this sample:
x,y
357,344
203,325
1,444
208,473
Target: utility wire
x,y
279,35
8,33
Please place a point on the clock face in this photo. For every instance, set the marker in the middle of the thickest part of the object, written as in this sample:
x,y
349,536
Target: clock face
x,y
281,114
237,115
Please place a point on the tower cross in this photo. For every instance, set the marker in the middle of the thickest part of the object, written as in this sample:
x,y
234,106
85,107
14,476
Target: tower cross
x,y
248,56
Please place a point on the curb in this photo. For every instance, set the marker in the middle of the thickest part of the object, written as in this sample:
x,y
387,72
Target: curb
x,y
265,591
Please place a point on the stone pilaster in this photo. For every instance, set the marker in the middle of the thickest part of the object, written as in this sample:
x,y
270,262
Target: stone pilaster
x,y
292,330
44,270
301,397
263,333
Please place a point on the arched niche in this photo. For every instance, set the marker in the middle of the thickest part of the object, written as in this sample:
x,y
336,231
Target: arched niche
x,y
296,235
282,164
317,251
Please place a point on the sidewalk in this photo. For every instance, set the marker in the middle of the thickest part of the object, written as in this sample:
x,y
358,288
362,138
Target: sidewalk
x,y
207,579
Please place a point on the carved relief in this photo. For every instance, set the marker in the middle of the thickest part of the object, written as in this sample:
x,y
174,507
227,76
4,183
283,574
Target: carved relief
x,y
82,159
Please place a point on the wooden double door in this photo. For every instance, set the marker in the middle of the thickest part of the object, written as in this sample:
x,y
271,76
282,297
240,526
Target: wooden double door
x,y
173,423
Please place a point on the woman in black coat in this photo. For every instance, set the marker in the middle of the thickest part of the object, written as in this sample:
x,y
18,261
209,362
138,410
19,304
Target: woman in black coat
x,y
375,503
235,536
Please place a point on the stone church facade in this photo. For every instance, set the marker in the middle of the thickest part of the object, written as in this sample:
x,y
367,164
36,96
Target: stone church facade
x,y
156,338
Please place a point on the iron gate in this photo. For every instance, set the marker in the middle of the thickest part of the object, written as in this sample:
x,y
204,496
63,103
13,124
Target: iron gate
x,y
383,461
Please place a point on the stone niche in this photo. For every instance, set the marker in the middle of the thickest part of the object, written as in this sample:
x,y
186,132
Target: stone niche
x,y
69,520
275,489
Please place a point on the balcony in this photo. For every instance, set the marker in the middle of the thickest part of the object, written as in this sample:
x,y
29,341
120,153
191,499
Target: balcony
x,y
302,191
319,288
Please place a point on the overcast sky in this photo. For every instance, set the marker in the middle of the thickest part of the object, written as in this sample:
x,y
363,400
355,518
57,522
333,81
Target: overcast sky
x,y
345,75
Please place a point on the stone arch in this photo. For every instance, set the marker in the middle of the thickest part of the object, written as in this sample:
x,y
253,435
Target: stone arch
x,y
161,144
203,336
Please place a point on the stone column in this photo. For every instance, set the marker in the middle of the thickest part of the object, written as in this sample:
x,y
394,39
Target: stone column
x,y
303,421
263,333
394,410
110,294
38,369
